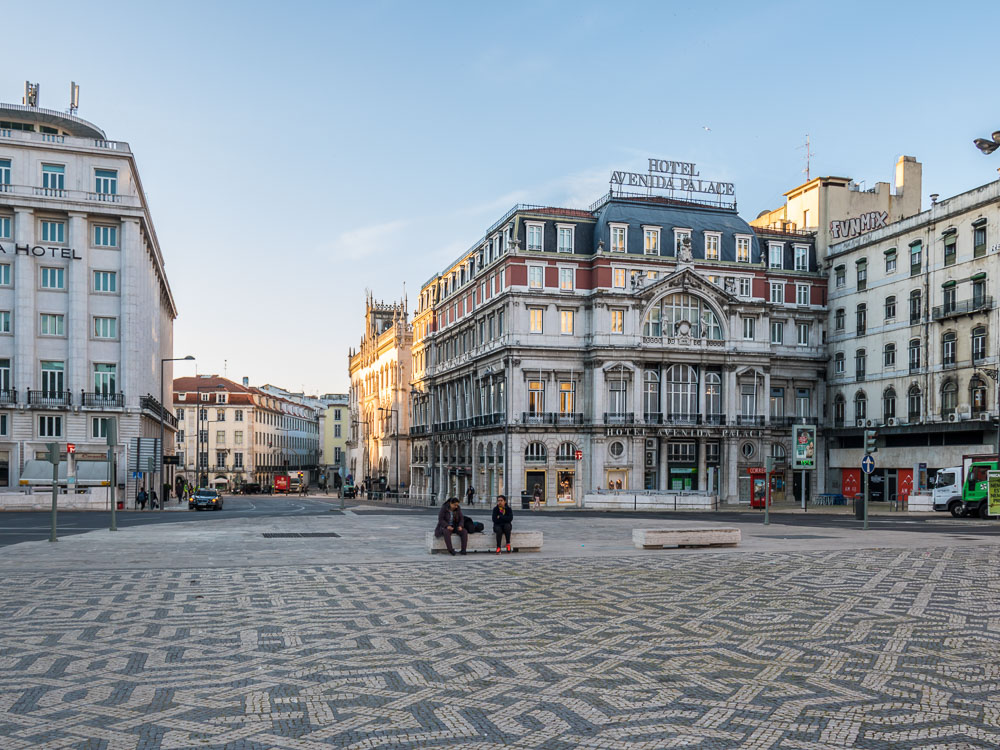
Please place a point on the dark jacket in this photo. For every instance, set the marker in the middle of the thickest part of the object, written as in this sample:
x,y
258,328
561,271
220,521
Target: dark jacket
x,y
445,520
501,518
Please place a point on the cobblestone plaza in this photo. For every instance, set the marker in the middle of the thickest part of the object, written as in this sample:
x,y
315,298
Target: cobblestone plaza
x,y
871,648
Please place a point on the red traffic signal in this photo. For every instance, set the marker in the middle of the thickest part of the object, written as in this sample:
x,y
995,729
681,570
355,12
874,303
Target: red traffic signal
x,y
71,447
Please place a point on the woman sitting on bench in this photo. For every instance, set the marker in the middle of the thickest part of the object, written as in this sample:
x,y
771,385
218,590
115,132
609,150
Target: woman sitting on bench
x,y
503,519
450,522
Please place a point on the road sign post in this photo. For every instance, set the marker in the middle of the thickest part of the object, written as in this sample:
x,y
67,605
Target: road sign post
x,y
769,466
867,466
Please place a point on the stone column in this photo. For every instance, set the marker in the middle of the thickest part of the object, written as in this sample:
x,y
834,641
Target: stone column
x,y
767,396
25,284
702,466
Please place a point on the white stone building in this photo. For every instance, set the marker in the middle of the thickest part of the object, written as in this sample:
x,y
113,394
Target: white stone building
x,y
913,344
645,344
86,312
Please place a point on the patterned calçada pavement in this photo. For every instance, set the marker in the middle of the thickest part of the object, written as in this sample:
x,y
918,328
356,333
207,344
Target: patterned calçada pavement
x,y
806,650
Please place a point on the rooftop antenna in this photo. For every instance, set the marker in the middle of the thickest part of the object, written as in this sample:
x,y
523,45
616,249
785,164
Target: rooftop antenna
x,y
30,94
74,97
809,154
225,367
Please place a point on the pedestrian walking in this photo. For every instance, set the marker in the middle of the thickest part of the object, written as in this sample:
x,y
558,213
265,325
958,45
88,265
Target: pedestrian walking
x,y
503,521
470,496
140,499
450,522
153,500
536,497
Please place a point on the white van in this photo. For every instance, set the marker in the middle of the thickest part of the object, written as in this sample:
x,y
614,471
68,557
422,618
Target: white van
x,y
948,491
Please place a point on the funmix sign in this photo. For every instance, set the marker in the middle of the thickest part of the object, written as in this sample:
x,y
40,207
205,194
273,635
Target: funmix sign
x,y
869,222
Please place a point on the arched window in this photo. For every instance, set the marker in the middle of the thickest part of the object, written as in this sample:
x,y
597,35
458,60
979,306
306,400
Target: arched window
x,y
682,314
889,356
862,319
499,452
948,342
535,452
682,392
860,364
489,453
860,405
651,395
977,396
566,452
890,307
914,354
979,343
916,308
482,453
778,453
889,403
913,403
839,407
838,363
949,398
713,395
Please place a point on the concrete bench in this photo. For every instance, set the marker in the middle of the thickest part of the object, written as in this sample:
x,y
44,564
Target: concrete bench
x,y
708,537
520,541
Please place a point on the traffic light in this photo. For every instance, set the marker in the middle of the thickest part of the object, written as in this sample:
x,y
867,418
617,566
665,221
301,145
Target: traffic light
x,y
870,436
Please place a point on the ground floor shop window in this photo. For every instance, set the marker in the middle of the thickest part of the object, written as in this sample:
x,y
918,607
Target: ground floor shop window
x,y
617,479
564,488
4,468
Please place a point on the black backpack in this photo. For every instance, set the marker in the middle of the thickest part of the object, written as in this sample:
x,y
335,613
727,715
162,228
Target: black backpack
x,y
472,527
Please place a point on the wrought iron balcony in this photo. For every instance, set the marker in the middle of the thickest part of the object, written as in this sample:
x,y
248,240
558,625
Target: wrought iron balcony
x,y
552,418
619,417
49,398
102,400
965,307
750,419
150,404
8,396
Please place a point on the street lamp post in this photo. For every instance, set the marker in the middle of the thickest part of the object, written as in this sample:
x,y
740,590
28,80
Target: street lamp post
x,y
163,408
988,147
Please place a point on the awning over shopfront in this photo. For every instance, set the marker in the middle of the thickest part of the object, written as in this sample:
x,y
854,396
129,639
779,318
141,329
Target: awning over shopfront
x,y
88,473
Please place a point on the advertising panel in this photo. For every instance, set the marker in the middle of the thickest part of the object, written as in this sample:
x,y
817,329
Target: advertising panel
x,y
804,446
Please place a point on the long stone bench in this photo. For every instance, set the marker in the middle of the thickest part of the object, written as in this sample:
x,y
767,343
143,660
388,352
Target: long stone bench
x,y
520,541
720,536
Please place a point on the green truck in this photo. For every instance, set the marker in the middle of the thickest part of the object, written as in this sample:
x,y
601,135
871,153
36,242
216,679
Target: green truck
x,y
967,498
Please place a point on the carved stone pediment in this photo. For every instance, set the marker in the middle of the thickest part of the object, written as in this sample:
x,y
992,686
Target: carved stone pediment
x,y
687,280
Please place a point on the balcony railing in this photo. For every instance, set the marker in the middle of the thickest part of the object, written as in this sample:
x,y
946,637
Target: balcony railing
x,y
750,419
49,398
785,421
102,400
619,417
150,404
552,418
8,396
419,429
965,307
656,417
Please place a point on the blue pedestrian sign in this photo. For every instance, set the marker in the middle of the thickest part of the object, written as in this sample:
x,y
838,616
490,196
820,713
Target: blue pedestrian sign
x,y
868,464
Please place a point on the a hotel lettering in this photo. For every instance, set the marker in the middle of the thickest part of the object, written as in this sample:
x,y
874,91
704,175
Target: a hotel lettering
x,y
846,228
672,175
48,251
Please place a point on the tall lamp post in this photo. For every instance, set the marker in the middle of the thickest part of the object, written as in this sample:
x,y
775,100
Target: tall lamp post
x,y
988,147
163,409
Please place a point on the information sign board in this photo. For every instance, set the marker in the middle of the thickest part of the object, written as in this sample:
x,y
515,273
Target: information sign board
x,y
804,446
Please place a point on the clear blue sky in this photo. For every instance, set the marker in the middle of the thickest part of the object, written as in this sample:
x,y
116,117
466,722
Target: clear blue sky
x,y
297,153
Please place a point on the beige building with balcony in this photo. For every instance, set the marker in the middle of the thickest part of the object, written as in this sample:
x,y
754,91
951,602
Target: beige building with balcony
x,y
913,344
86,311
380,371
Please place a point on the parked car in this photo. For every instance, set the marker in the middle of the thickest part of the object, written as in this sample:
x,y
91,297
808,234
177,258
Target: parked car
x,y
349,490
205,498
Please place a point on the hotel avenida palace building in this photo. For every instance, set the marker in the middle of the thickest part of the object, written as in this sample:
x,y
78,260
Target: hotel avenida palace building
x,y
86,313
646,343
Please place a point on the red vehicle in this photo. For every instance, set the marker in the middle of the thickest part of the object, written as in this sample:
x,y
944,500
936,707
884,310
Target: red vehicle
x,y
282,483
